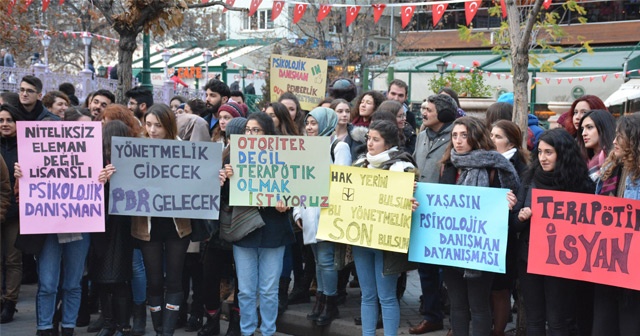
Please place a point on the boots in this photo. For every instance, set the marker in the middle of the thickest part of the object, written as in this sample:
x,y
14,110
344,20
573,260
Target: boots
x,y
234,323
330,311
8,309
122,315
212,327
300,292
171,313
155,308
321,299
139,319
67,332
283,295
109,326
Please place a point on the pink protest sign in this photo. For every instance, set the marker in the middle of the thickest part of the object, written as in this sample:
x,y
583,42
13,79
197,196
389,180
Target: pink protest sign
x,y
59,190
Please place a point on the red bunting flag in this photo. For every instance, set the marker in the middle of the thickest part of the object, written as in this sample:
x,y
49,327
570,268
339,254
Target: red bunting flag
x,y
61,2
205,1
352,14
45,5
503,7
27,3
276,9
254,6
548,80
559,80
323,12
230,3
617,75
488,73
507,76
453,65
438,11
570,80
581,79
546,4
73,34
462,68
604,78
407,14
64,34
537,80
471,9
377,11
498,75
11,4
591,79
298,12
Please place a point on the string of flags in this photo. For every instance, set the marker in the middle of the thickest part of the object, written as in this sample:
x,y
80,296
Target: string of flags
x,y
73,34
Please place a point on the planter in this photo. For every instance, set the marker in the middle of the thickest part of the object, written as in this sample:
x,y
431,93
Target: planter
x,y
559,107
476,106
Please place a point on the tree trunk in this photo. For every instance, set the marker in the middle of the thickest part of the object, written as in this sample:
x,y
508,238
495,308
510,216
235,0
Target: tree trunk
x,y
126,46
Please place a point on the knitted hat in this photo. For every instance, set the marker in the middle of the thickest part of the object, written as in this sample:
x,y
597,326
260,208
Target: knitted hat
x,y
235,126
326,119
232,108
506,98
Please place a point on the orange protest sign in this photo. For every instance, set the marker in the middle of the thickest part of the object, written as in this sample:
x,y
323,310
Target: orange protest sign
x,y
585,237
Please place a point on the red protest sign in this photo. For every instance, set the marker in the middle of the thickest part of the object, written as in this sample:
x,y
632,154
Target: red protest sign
x,y
585,237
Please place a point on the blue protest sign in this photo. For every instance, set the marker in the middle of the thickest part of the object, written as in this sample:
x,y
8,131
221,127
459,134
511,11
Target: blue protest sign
x,y
165,178
460,226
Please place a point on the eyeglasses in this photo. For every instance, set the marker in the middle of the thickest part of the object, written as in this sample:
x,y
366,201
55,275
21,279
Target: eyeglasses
x,y
254,130
29,91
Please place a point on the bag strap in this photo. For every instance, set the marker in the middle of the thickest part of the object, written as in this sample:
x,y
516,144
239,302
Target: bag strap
x,y
333,148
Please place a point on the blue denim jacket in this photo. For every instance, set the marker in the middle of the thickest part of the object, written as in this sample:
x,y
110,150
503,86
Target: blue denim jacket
x,y
632,189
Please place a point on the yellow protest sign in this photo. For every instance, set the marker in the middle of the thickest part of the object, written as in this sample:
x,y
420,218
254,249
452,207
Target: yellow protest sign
x,y
368,207
304,77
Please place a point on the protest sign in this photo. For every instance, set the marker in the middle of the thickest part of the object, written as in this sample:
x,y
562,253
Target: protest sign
x,y
368,207
585,237
59,190
267,169
165,178
304,77
460,226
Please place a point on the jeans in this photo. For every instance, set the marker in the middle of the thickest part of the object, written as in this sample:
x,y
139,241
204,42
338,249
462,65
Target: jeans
x,y
616,311
54,258
376,286
326,274
139,279
547,299
431,285
11,259
258,271
470,300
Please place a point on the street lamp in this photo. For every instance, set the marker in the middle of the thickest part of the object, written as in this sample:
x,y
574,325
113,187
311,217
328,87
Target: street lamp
x,y
102,71
166,56
86,41
442,67
206,56
46,41
243,74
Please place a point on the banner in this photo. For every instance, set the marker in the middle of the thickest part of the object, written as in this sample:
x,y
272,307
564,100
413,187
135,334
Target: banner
x,y
460,226
165,178
59,190
585,237
304,77
368,207
267,169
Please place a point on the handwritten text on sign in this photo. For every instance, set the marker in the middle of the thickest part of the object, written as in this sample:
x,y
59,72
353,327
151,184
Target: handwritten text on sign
x,y
268,169
368,207
304,77
60,162
165,178
460,226
585,237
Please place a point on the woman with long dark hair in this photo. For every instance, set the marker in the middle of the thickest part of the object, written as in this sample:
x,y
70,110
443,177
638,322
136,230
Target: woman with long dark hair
x,y
282,119
595,139
616,309
365,105
557,165
471,160
292,103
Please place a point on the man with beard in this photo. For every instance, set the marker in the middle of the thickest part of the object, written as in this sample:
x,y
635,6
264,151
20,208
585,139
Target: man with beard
x,y
99,101
140,100
31,107
218,93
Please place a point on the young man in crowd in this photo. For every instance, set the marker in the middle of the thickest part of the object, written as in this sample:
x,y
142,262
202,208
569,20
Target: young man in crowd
x,y
31,107
100,100
140,100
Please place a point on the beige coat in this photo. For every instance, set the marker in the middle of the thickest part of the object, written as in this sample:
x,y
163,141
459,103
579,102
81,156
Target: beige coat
x,y
141,227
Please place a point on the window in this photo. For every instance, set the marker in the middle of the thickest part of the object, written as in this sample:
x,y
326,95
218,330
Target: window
x,y
261,20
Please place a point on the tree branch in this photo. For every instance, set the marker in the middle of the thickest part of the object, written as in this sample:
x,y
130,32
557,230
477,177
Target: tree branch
x,y
217,3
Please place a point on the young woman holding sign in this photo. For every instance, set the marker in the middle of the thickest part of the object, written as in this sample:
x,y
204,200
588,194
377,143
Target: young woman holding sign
x,y
378,270
322,121
471,160
558,165
258,255
163,241
616,309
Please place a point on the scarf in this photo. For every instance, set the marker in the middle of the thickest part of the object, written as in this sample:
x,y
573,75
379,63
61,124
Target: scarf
x,y
30,116
545,180
376,161
359,121
474,169
594,165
